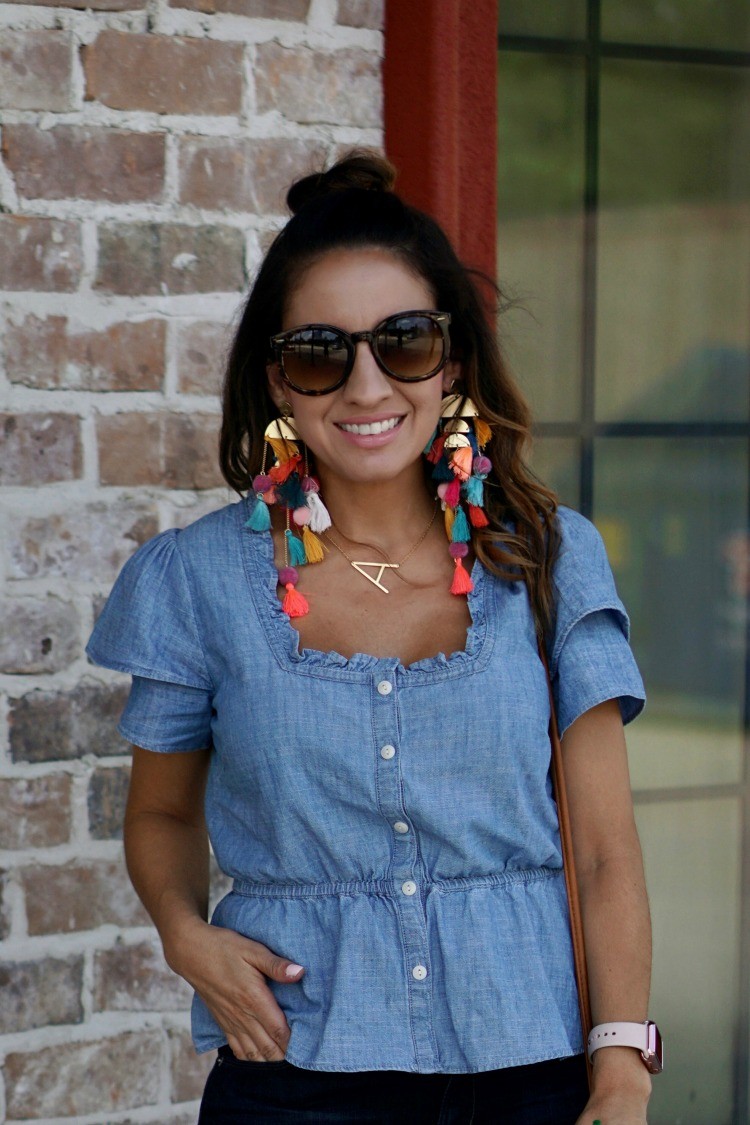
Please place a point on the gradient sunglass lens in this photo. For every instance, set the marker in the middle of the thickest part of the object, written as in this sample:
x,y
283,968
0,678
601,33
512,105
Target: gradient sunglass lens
x,y
410,346
315,358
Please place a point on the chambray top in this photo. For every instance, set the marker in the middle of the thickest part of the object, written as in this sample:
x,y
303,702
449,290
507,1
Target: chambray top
x,y
390,828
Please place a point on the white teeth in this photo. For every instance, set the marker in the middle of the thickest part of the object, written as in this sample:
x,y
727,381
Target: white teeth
x,y
371,427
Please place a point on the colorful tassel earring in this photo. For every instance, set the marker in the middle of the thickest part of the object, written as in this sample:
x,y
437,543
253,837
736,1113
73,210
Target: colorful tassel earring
x,y
299,495
461,469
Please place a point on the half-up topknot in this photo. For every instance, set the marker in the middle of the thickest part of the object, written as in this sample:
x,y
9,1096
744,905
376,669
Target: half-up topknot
x,y
361,168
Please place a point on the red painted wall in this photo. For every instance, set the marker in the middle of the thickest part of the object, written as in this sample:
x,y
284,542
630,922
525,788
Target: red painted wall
x,y
440,83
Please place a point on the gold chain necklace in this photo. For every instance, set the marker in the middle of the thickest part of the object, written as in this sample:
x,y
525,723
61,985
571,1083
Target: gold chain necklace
x,y
361,566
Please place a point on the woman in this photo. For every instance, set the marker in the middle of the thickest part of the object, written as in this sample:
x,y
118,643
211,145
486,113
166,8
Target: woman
x,y
368,732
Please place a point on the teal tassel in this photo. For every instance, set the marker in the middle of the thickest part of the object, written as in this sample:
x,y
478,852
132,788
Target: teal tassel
x,y
474,490
460,532
260,517
428,447
297,556
291,493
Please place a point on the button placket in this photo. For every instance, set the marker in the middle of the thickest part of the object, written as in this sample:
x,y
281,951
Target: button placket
x,y
404,870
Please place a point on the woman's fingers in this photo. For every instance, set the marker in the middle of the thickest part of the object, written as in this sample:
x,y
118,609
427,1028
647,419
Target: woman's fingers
x,y
270,964
232,979
255,1045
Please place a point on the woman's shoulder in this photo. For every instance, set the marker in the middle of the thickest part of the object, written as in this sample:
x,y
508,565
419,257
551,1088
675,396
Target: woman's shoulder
x,y
583,578
576,531
197,545
148,626
581,557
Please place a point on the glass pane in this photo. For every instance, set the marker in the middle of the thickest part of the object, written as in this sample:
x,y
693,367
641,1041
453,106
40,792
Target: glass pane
x,y
682,23
540,190
673,331
556,18
555,462
691,850
673,513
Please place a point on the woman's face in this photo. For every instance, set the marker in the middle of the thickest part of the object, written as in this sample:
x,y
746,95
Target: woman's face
x,y
355,290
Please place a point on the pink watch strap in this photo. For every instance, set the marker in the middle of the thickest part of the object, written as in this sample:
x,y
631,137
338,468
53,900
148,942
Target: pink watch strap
x,y
644,1037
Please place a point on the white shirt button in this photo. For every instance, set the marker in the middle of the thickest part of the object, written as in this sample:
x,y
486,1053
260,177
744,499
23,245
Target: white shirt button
x,y
419,972
400,827
385,687
409,888
387,752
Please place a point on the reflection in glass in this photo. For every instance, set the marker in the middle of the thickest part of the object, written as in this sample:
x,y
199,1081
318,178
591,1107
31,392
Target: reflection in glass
x,y
679,23
692,851
540,244
673,332
673,513
555,18
555,462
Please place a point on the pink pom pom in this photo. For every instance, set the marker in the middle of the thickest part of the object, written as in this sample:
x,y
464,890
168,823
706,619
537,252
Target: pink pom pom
x,y
482,465
442,489
310,484
262,483
301,516
288,574
458,550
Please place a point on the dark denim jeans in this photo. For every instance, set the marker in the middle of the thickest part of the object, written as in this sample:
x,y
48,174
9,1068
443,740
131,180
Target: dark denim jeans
x,y
547,1093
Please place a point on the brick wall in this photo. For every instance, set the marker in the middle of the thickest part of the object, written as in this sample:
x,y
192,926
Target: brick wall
x,y
145,148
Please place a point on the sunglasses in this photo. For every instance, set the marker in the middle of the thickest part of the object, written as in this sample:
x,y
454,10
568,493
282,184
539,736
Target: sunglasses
x,y
316,359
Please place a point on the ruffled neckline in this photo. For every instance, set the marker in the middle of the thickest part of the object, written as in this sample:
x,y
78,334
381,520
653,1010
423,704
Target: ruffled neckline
x,y
286,641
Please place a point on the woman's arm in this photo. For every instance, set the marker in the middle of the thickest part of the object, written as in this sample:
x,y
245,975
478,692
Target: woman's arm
x,y
614,905
166,849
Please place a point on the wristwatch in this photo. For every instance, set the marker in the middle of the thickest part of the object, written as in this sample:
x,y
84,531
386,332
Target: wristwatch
x,y
644,1036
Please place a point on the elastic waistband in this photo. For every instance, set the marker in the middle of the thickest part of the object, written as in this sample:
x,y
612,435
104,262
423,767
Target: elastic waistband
x,y
389,887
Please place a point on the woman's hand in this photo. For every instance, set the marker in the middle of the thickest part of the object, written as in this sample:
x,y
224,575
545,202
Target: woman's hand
x,y
613,1111
229,972
620,1090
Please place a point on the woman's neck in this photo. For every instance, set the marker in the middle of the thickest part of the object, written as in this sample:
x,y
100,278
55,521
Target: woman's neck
x,y
388,514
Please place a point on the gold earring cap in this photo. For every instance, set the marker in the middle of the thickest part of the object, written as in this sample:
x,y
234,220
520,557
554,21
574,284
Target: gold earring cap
x,y
458,405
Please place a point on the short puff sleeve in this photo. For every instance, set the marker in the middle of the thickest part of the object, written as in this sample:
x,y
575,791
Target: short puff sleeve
x,y
148,628
590,656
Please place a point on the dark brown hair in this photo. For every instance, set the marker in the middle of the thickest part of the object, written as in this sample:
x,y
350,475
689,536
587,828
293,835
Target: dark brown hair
x,y
353,205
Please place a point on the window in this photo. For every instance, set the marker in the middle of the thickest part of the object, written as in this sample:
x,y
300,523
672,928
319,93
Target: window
x,y
624,235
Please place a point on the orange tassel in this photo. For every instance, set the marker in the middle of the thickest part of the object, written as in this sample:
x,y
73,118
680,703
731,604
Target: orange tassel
x,y
279,473
461,462
450,515
477,516
482,432
294,603
462,583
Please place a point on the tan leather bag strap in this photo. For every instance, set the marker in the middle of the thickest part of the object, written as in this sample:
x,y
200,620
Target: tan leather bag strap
x,y
566,841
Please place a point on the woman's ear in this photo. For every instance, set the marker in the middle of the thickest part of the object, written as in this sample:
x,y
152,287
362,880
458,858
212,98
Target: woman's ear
x,y
276,384
451,375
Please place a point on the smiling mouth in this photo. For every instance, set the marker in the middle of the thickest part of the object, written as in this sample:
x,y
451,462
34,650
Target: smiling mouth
x,y
371,427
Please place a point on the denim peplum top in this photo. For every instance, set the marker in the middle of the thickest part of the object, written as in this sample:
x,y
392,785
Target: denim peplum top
x,y
390,828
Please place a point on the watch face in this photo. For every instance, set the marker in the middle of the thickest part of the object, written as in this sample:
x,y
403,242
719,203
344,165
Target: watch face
x,y
654,1055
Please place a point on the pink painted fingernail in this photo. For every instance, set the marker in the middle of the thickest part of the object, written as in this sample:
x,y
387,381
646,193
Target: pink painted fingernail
x,y
292,970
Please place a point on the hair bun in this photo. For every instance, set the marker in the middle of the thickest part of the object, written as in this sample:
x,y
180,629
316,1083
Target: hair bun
x,y
361,168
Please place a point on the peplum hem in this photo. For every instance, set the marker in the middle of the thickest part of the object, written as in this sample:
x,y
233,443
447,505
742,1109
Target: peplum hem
x,y
359,1007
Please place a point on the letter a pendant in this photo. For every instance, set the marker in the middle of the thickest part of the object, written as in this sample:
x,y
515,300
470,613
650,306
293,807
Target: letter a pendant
x,y
380,567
